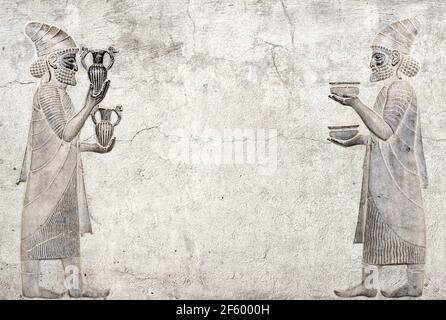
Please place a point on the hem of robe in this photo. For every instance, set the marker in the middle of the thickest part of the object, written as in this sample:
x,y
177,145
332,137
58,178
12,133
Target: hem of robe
x,y
58,237
382,246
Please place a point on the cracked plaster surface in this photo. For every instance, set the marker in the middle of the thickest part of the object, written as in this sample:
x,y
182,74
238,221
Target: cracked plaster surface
x,y
164,230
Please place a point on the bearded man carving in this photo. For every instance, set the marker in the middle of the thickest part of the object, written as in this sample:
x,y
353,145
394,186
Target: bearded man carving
x,y
391,219
55,211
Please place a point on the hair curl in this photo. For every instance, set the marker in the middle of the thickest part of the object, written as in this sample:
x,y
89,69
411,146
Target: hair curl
x,y
39,67
409,66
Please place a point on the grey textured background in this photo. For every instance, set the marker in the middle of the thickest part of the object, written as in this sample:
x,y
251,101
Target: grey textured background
x,y
163,230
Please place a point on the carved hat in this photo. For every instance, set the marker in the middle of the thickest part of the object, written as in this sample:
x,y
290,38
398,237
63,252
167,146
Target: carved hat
x,y
48,38
399,35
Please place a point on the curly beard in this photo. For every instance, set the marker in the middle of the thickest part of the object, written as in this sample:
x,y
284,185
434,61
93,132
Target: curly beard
x,y
381,73
65,75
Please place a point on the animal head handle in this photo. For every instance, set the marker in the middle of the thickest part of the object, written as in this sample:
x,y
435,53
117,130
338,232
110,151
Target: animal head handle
x,y
118,111
111,53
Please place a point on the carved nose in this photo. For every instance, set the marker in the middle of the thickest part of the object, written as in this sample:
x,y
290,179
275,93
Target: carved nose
x,y
75,68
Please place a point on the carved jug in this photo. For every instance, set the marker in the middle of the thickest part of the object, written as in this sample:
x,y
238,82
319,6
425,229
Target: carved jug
x,y
97,71
104,127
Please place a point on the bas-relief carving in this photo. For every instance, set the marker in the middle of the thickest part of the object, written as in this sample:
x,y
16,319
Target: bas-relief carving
x,y
55,212
391,216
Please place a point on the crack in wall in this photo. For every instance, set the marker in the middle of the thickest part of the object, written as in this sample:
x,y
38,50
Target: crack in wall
x,y
193,22
211,139
10,83
290,21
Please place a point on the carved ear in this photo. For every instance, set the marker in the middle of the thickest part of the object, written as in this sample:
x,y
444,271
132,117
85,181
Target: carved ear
x,y
52,58
396,57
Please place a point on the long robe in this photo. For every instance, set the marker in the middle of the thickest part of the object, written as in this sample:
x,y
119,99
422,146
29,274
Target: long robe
x,y
391,216
55,211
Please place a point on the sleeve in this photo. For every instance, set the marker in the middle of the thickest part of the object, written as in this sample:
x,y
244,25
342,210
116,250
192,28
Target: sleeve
x,y
52,108
399,98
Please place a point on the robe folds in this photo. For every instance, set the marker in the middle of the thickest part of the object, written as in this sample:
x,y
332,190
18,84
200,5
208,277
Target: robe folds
x,y
391,217
55,211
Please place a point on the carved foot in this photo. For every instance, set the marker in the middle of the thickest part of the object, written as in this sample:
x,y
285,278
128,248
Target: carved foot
x,y
403,291
41,293
357,291
87,292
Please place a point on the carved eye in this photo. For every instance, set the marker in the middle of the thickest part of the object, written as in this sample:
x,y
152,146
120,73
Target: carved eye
x,y
69,61
379,58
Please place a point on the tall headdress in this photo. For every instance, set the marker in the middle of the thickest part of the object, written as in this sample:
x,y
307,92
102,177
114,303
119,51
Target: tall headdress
x,y
47,39
399,35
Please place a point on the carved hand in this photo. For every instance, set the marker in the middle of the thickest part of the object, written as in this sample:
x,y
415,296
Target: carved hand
x,y
359,139
94,99
350,101
106,149
96,147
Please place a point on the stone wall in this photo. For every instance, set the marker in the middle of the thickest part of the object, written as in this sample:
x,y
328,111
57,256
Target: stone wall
x,y
169,227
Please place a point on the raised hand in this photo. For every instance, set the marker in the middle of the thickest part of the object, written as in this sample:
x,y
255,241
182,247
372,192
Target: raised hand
x,y
94,99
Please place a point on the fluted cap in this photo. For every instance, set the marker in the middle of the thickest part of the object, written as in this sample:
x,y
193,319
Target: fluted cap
x,y
48,38
399,35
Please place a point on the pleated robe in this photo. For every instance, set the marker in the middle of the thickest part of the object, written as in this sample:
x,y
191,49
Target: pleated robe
x,y
391,218
55,211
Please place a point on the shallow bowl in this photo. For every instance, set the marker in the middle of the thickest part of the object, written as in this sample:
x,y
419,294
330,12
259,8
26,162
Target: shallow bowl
x,y
344,89
343,132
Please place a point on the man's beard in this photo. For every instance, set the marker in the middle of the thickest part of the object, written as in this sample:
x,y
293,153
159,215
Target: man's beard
x,y
65,75
381,73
